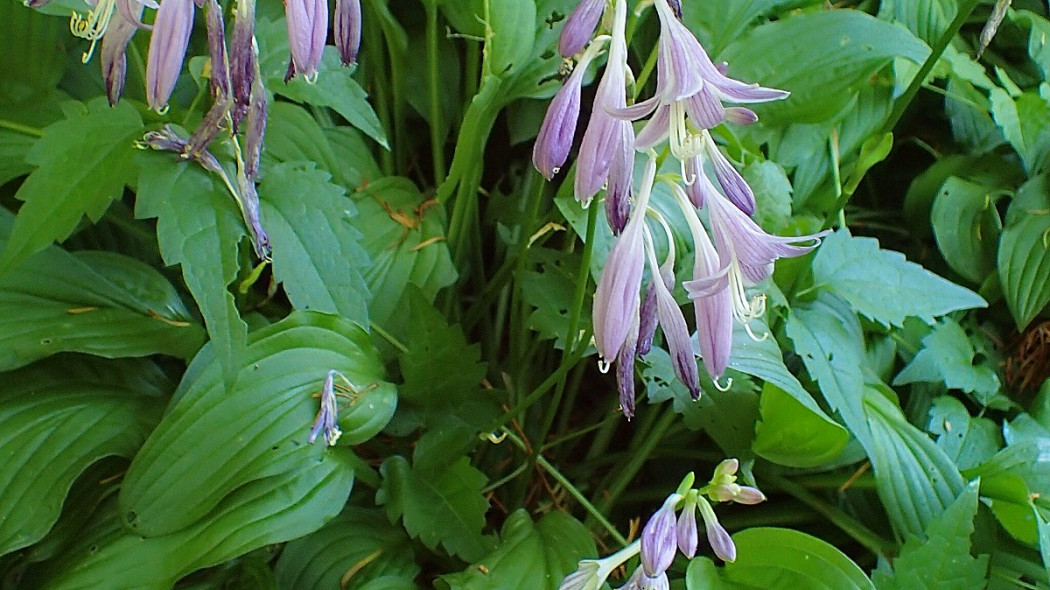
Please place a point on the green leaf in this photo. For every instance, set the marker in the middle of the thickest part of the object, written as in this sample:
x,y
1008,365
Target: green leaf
x,y
967,441
1024,262
783,558
198,227
316,255
262,512
915,479
772,191
293,135
820,57
62,416
940,558
928,19
885,286
357,537
966,225
508,36
82,164
530,556
404,236
213,441
788,433
40,42
1022,120
446,508
947,356
13,149
98,303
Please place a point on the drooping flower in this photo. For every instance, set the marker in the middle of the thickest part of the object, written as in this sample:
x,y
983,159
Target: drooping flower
x,y
717,536
243,59
347,29
113,57
559,124
659,538
580,26
307,32
590,574
326,417
685,528
167,49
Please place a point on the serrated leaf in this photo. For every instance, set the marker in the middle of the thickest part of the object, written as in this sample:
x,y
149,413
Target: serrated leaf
x,y
404,235
941,557
446,508
549,290
293,135
316,255
199,228
915,479
360,543
1024,259
98,303
1021,119
820,57
967,441
82,164
214,441
262,512
783,558
62,416
883,285
966,226
530,556
947,356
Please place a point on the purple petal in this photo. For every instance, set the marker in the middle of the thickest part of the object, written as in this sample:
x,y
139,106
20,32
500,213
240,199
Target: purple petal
x,y
580,27
243,60
749,495
220,72
741,115
559,125
714,311
735,232
647,321
617,300
347,29
705,109
686,530
307,32
655,130
659,539
721,542
113,58
678,76
625,371
255,127
621,175
167,49
676,333
732,183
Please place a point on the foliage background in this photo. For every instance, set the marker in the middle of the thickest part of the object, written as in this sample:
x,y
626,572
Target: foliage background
x,y
156,386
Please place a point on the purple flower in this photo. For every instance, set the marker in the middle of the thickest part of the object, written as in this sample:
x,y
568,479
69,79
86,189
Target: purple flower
x,y
307,32
625,370
642,581
347,29
326,417
114,58
659,538
580,26
167,48
243,59
676,333
647,321
686,529
559,124
220,67
717,536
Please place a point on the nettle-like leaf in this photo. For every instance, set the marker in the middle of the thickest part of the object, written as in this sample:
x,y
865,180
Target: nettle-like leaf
x,y
940,558
63,415
966,440
1024,253
882,285
214,441
1021,118
947,356
779,558
530,556
445,508
99,303
316,255
199,228
820,57
81,164
262,512
358,547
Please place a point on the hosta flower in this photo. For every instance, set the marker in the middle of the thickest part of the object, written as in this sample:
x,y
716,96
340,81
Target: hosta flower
x,y
659,538
94,25
347,29
685,528
114,58
590,574
326,417
307,32
580,26
243,59
717,536
643,581
676,333
723,486
559,124
167,49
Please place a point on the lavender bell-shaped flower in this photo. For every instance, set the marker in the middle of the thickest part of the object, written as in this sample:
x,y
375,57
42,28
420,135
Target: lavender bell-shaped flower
x,y
307,32
347,29
659,538
717,536
625,370
676,333
167,49
559,124
326,417
580,26
113,57
686,530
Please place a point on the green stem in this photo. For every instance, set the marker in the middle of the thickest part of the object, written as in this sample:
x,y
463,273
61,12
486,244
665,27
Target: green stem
x,y
638,458
569,487
388,337
20,128
437,151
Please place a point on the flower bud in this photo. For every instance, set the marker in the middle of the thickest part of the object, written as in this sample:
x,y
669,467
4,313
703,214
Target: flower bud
x,y
307,32
659,539
114,58
347,29
167,49
580,26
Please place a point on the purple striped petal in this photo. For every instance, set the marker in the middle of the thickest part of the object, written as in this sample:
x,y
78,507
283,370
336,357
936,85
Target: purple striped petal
x,y
113,57
580,26
655,130
750,245
647,321
705,109
659,539
732,183
347,29
307,32
220,68
617,300
167,49
243,58
559,126
625,371
676,333
686,530
714,310
621,176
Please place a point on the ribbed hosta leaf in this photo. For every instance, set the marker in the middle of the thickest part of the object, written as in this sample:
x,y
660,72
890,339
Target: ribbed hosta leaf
x,y
214,441
59,417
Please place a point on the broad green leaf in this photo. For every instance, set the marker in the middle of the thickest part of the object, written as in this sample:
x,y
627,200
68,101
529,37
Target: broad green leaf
x,y
928,19
703,575
883,285
915,479
941,557
357,166
13,149
404,235
508,35
40,43
199,228
947,356
446,508
262,512
94,302
783,558
1022,121
716,25
62,416
788,433
772,192
1012,480
213,441
293,135
316,255
358,546
81,165
530,556
820,57
966,225
1024,262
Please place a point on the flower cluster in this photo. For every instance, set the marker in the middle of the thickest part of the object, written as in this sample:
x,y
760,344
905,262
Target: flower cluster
x,y
693,95
672,528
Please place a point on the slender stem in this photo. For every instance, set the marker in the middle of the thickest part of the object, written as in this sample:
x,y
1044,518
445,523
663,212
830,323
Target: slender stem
x,y
437,121
569,487
637,459
388,337
647,70
20,128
